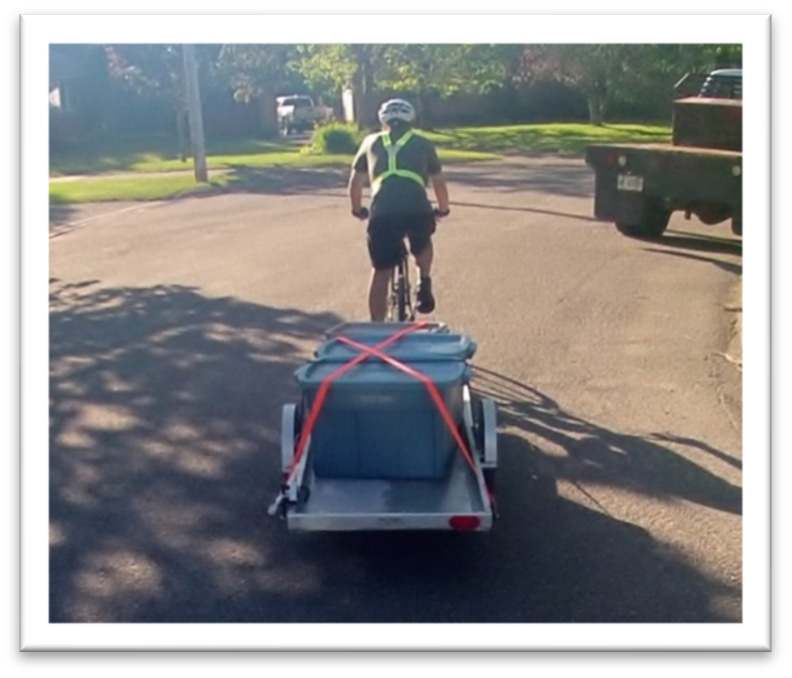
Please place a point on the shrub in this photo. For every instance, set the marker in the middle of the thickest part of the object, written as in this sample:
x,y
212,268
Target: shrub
x,y
336,137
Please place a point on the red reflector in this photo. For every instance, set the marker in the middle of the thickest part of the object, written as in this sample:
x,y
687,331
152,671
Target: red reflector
x,y
464,522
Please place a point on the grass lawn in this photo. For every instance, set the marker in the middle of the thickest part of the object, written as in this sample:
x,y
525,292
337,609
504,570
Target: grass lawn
x,y
145,156
565,138
159,155
130,188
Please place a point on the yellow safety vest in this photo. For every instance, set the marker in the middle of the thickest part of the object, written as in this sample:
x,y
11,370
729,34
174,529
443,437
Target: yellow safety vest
x,y
393,150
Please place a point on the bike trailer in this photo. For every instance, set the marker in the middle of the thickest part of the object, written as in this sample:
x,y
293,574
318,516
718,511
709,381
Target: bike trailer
x,y
386,435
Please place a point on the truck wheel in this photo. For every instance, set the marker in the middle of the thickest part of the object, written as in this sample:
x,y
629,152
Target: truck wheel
x,y
712,214
653,223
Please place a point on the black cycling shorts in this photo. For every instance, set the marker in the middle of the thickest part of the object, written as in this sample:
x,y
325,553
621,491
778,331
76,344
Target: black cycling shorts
x,y
386,234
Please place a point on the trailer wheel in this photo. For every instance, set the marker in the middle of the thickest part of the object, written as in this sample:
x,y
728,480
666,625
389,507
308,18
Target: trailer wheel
x,y
489,479
486,431
291,425
653,222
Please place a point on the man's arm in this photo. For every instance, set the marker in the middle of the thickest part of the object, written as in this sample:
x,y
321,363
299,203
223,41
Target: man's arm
x,y
356,182
435,171
440,190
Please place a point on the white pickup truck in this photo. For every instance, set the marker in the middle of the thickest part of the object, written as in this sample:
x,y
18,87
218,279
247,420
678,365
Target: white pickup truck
x,y
297,113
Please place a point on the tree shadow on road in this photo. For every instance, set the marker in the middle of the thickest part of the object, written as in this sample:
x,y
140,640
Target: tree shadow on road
x,y
283,180
531,210
592,453
547,560
164,431
569,179
164,454
60,216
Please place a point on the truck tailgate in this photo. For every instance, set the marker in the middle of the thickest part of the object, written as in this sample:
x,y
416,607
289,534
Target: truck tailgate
x,y
680,175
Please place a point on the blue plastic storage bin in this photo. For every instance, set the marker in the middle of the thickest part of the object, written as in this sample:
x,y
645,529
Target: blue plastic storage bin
x,y
378,422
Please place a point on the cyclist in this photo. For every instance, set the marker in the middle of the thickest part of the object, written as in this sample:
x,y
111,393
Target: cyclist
x,y
398,164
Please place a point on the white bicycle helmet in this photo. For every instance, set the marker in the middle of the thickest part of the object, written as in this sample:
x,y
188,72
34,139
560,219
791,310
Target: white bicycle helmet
x,y
396,109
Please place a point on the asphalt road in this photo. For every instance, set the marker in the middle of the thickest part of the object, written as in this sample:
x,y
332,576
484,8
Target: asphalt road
x,y
175,331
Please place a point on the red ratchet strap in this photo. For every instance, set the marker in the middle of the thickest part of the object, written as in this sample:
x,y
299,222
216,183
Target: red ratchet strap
x,y
324,388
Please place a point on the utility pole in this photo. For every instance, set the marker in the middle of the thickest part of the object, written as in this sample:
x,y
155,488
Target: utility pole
x,y
194,113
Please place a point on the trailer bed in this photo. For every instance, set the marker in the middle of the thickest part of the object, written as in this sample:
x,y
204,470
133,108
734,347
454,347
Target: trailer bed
x,y
375,504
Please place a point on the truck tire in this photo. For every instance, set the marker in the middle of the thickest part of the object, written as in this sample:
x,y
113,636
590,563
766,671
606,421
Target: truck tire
x,y
712,214
652,225
736,225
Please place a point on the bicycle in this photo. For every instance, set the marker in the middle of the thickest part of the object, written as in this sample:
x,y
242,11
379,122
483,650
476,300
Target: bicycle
x,y
400,298
401,306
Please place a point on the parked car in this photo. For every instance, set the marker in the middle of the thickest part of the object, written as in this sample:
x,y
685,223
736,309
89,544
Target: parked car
x,y
297,113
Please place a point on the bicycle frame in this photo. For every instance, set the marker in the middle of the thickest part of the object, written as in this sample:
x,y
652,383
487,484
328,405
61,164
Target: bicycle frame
x,y
400,304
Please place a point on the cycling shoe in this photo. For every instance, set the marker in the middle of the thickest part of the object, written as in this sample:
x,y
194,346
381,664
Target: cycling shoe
x,y
426,301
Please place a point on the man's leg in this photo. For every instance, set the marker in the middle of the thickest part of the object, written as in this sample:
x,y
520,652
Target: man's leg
x,y
378,293
424,260
425,298
423,251
384,245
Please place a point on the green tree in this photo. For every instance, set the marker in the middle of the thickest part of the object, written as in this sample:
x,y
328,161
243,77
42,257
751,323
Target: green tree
x,y
79,71
337,67
609,73
430,71
421,70
600,71
158,71
259,73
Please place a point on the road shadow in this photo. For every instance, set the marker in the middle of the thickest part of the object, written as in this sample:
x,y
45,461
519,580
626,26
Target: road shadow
x,y
60,216
728,266
568,179
164,454
532,210
701,242
547,560
164,430
597,455
281,180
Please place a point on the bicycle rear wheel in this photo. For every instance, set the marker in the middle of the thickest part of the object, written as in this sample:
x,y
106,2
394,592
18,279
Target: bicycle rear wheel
x,y
407,312
401,294
399,304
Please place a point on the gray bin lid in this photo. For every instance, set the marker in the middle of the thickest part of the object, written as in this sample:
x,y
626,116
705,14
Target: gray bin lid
x,y
418,347
374,373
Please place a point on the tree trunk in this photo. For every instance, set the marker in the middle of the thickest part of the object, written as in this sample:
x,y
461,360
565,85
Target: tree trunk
x,y
181,131
364,89
358,103
426,119
596,105
197,139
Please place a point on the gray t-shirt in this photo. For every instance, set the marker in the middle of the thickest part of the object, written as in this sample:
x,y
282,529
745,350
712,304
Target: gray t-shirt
x,y
398,195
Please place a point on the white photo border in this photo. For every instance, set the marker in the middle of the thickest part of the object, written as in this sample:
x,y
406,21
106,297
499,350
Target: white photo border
x,y
39,31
